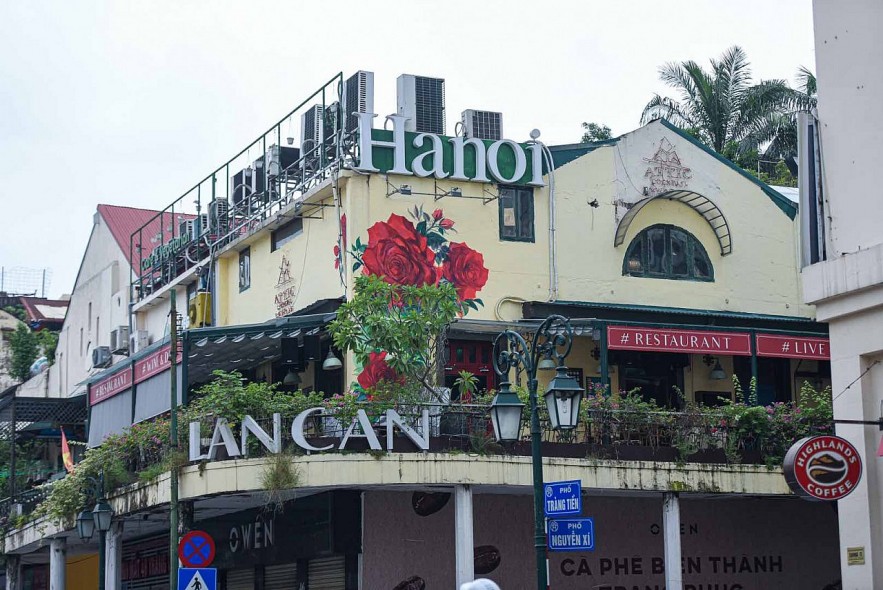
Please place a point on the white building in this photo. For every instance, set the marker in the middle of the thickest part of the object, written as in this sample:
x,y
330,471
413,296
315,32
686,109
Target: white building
x,y
845,280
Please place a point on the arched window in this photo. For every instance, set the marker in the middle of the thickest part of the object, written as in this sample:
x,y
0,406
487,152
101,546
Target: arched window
x,y
667,252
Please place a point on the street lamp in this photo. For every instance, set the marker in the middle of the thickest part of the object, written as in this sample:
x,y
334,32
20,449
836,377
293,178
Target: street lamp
x,y
554,337
100,518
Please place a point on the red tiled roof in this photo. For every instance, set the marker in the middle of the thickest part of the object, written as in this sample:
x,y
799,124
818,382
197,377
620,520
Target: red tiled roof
x,y
45,312
125,221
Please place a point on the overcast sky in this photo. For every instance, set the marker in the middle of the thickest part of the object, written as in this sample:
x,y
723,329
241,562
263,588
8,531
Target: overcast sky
x,y
131,103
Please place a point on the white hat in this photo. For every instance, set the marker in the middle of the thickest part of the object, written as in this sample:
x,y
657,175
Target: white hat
x,y
480,584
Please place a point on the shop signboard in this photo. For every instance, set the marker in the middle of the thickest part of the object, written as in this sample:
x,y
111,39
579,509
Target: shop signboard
x,y
823,468
562,498
684,341
571,534
154,363
110,385
793,347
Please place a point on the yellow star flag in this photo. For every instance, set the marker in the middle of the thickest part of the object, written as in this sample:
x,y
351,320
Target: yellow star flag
x,y
66,455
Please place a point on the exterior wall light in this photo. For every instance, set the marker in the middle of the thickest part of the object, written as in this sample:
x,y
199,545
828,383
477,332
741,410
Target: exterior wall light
x,y
331,362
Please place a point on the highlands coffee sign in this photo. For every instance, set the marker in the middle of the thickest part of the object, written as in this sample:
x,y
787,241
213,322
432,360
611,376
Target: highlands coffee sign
x,y
452,158
361,427
823,468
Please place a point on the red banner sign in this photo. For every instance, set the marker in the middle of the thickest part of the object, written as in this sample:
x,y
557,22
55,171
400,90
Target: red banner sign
x,y
793,347
823,467
153,364
110,386
689,341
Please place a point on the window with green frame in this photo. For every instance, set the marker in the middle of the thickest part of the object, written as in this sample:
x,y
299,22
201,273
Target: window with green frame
x,y
667,252
516,214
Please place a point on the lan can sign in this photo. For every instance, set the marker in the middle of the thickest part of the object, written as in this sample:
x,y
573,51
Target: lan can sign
x,y
572,534
562,498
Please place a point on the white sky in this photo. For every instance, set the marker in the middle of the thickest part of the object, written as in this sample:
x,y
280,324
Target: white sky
x,y
131,103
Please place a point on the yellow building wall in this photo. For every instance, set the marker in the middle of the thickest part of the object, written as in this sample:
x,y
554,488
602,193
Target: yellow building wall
x,y
81,572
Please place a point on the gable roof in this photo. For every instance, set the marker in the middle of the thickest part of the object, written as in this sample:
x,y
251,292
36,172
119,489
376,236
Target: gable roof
x,y
43,312
125,221
564,154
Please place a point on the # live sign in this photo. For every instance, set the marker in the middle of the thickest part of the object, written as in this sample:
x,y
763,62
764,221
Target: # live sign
x,y
802,347
454,158
823,468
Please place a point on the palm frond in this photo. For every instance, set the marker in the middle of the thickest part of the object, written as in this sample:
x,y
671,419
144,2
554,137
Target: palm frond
x,y
807,81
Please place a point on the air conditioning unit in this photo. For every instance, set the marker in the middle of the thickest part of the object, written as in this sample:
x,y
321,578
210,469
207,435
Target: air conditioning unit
x,y
243,184
358,97
482,124
101,357
218,220
422,101
203,223
138,341
200,310
316,136
187,228
280,158
119,340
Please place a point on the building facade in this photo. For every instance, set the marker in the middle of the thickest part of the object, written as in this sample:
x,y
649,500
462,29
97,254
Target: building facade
x,y
678,270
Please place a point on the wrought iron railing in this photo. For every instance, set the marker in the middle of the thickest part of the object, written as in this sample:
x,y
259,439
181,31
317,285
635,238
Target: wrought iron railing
x,y
238,197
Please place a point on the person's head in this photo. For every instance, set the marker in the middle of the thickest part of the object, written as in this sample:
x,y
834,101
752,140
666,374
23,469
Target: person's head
x,y
480,584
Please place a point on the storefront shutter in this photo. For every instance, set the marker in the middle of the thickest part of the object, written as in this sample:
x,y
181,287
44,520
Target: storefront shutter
x,y
327,573
240,579
281,577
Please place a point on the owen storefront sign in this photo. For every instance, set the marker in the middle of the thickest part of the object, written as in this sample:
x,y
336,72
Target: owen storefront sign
x,y
361,427
454,158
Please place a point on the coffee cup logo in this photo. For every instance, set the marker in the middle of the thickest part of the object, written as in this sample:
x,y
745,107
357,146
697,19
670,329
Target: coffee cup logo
x,y
823,468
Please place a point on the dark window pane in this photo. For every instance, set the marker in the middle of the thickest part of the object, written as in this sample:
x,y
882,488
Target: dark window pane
x,y
635,263
656,251
701,266
459,355
678,254
525,214
473,354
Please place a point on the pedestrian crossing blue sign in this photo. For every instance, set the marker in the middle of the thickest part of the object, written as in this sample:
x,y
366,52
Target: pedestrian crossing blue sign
x,y
203,578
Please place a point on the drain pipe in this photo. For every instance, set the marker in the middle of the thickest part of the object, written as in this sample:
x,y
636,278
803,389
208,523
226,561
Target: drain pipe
x,y
553,245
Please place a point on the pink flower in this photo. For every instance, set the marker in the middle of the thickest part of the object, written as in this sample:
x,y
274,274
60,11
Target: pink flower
x,y
437,214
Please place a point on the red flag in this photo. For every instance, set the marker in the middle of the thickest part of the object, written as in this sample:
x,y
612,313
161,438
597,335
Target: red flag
x,y
66,455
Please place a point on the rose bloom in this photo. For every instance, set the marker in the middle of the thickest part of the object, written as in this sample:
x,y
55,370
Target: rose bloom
x,y
376,371
399,254
465,269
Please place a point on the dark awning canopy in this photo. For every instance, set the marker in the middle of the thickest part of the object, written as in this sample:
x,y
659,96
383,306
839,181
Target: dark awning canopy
x,y
245,346
25,411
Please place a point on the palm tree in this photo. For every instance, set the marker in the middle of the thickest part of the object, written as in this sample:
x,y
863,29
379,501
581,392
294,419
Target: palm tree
x,y
721,106
778,131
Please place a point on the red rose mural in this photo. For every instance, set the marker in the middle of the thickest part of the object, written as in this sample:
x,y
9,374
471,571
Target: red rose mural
x,y
418,252
465,269
398,253
377,370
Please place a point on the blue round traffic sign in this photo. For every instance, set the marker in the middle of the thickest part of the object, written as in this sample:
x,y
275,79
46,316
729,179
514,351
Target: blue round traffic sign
x,y
196,549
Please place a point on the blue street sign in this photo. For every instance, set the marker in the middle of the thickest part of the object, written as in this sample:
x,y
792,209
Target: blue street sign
x,y
571,534
203,578
563,498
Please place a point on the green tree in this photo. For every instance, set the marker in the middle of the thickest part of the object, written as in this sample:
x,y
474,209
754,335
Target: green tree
x,y
595,132
48,341
407,323
721,105
24,350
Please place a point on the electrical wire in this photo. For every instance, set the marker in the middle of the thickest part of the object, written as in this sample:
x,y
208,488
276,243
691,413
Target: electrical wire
x,y
856,380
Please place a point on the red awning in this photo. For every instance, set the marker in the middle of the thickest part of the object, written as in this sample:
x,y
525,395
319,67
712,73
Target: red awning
x,y
793,347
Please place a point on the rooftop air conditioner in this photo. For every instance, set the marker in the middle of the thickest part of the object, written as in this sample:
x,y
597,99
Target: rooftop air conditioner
x,y
483,124
138,341
218,219
101,357
119,340
422,101
203,223
243,184
187,228
358,97
316,136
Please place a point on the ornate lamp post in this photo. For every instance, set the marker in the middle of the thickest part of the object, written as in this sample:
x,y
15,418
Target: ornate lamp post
x,y
98,518
554,337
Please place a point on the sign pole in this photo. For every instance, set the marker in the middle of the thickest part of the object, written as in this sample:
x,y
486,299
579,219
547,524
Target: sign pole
x,y
173,442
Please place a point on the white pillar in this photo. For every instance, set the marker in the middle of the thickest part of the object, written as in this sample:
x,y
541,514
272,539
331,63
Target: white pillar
x,y
114,557
57,563
464,544
671,525
13,572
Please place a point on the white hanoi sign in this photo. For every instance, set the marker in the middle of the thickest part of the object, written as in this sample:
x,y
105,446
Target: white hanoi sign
x,y
454,158
361,427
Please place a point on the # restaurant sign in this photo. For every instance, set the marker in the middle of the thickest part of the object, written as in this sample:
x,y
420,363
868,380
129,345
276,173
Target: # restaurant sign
x,y
823,468
688,341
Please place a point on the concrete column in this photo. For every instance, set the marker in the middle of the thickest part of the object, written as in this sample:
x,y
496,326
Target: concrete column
x,y
671,525
57,563
13,572
114,557
463,539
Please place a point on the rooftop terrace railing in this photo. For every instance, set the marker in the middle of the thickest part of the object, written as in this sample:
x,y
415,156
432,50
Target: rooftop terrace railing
x,y
235,199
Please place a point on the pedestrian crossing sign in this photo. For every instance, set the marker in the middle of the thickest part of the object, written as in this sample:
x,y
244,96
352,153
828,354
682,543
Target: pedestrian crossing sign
x,y
203,578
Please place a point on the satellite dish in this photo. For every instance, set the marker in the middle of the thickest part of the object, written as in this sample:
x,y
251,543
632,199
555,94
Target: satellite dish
x,y
535,134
